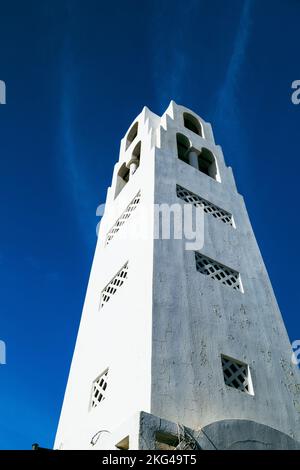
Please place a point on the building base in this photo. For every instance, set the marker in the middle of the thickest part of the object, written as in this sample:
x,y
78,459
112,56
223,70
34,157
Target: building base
x,y
145,431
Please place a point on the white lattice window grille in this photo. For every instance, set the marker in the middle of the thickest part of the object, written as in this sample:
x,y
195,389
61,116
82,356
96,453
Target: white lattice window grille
x,y
217,271
114,285
237,375
208,207
99,389
123,218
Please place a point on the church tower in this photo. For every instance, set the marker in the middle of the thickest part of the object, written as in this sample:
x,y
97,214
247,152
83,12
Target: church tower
x,y
178,347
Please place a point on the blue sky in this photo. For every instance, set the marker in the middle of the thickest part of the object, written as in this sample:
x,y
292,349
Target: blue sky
x,y
77,73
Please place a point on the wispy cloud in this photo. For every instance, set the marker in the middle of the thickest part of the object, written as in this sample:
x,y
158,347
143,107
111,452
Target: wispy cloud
x,y
170,60
227,109
73,172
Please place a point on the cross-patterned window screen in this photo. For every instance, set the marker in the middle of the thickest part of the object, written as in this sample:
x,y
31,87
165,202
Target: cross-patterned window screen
x,y
218,271
99,389
237,374
208,207
114,285
122,219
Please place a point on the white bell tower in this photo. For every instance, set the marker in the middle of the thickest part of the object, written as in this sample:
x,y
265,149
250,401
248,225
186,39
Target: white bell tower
x,y
178,347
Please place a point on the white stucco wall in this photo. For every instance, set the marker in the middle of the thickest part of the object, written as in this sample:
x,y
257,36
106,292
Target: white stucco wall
x,y
162,334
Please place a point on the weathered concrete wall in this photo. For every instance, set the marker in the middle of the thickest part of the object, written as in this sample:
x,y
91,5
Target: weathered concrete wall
x,y
196,319
142,431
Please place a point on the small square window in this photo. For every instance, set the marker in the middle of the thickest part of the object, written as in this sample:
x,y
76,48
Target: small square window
x,y
237,374
99,389
218,271
113,286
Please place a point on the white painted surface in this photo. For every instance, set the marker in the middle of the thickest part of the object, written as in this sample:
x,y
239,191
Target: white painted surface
x,y
164,331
